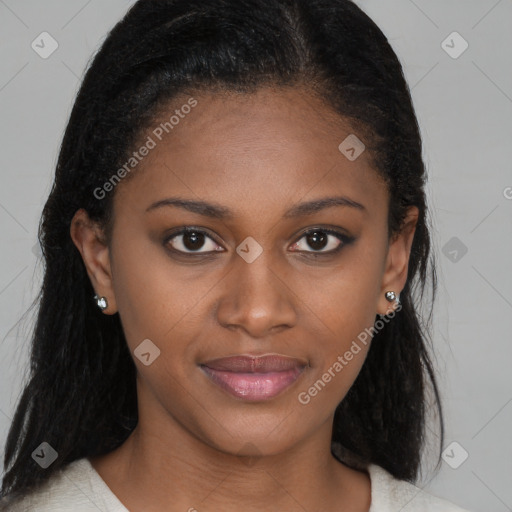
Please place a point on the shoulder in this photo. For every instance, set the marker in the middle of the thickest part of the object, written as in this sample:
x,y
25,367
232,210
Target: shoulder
x,y
76,487
390,494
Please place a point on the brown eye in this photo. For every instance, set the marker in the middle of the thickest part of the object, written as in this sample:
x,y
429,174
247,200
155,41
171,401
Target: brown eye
x,y
322,241
191,241
317,240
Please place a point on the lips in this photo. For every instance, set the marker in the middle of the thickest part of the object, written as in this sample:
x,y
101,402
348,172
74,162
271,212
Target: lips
x,y
254,377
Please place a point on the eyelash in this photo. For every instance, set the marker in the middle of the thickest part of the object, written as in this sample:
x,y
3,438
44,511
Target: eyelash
x,y
344,239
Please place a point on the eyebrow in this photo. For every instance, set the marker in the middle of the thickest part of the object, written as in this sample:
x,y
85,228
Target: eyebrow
x,y
217,211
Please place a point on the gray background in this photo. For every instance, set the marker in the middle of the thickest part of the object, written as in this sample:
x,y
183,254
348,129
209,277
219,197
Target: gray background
x,y
464,106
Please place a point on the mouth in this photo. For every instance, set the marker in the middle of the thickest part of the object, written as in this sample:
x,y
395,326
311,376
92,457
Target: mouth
x,y
254,378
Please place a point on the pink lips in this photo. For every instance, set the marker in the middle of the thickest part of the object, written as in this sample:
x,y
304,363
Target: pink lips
x,y
254,377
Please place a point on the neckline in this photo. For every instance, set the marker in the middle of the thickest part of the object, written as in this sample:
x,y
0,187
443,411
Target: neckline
x,y
98,488
378,478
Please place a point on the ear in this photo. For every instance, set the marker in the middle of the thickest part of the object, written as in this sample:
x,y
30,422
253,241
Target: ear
x,y
397,262
89,240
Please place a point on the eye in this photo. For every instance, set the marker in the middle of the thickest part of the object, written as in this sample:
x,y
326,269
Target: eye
x,y
322,241
190,241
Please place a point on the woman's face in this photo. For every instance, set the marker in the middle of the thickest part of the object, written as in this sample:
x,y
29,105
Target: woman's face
x,y
270,268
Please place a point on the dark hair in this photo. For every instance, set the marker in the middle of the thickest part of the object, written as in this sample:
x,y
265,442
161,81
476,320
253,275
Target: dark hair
x,y
81,395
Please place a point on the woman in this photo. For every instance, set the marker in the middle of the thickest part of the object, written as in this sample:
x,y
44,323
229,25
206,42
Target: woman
x,y
233,240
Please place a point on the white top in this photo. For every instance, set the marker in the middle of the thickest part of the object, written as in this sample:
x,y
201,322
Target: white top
x,y
79,488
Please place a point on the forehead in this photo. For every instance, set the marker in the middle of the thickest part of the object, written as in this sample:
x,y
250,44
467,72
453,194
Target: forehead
x,y
266,149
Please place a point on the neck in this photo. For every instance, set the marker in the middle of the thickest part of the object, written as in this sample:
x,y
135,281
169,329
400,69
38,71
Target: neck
x,y
182,472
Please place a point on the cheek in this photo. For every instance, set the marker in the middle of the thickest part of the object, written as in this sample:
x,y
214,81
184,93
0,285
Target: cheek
x,y
342,310
341,302
154,298
335,364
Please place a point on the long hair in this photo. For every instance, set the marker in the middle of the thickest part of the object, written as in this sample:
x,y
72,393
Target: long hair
x,y
81,395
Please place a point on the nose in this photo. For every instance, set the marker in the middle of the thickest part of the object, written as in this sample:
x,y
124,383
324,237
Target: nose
x,y
257,298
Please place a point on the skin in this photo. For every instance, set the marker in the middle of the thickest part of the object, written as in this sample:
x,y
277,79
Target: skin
x,y
195,446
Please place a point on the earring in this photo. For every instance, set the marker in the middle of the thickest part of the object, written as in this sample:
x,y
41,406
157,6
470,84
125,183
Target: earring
x,y
392,296
101,302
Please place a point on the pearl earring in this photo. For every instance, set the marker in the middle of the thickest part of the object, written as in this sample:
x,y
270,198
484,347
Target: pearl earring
x,y
101,302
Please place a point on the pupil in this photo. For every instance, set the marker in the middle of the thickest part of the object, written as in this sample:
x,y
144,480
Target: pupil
x,y
316,240
193,240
